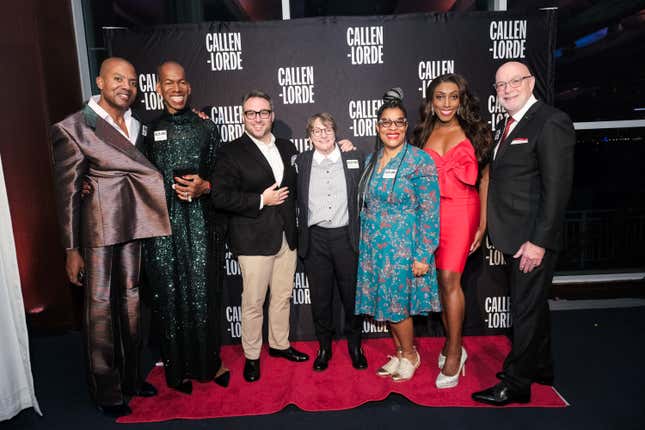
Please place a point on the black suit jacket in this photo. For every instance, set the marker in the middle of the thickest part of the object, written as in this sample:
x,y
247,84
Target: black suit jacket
x,y
530,180
241,174
352,177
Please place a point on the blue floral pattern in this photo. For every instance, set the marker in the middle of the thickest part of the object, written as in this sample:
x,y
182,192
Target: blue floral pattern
x,y
399,224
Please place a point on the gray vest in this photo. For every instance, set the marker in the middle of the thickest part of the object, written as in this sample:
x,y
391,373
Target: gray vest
x,y
328,194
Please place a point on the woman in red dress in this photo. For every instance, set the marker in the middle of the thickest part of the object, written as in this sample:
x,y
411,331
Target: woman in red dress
x,y
453,133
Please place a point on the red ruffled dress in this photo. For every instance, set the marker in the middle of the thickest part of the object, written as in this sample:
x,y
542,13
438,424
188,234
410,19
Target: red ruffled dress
x,y
459,205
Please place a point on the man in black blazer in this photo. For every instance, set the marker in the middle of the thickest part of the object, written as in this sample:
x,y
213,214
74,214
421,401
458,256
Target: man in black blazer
x,y
530,182
328,233
254,182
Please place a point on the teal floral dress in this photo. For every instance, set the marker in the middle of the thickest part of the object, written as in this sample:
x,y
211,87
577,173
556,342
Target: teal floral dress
x,y
399,224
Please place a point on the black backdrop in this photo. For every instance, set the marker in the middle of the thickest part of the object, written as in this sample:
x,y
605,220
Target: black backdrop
x,y
343,65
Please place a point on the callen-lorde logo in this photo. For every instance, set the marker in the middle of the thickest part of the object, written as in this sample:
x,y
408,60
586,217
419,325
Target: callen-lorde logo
x,y
149,97
224,51
508,38
297,84
429,69
365,45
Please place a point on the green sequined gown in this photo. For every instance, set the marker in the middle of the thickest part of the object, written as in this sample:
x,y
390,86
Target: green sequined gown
x,y
185,271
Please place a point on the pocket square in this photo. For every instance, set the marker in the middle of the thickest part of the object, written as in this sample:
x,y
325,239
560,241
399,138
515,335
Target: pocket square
x,y
519,141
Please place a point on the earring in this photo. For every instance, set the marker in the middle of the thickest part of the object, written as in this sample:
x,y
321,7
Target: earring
x,y
432,109
460,111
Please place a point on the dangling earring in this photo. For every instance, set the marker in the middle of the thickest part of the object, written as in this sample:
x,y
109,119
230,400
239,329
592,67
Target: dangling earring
x,y
432,109
460,111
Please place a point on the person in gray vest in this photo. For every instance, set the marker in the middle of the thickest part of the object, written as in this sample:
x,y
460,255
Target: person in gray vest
x,y
328,233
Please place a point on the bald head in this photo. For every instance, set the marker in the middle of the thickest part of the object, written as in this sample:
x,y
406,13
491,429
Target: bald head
x,y
172,86
169,65
514,84
117,81
109,63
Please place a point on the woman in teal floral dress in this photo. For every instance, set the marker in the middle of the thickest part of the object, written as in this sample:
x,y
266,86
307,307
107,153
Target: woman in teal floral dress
x,y
399,234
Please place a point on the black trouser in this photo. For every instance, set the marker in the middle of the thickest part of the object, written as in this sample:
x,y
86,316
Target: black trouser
x,y
331,258
530,357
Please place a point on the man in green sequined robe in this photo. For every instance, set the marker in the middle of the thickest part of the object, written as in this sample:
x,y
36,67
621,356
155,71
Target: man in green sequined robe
x,y
185,270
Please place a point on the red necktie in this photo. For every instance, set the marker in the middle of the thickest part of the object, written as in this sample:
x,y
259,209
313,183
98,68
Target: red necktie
x,y
507,128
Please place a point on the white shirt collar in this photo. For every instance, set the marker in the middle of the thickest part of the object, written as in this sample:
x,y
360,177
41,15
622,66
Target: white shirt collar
x,y
262,145
334,156
520,113
130,122
94,104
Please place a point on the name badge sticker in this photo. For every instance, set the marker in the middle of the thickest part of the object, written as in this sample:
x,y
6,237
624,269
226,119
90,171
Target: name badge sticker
x,y
352,164
161,135
389,174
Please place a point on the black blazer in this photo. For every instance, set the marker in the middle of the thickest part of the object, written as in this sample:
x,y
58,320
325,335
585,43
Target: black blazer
x,y
352,176
530,180
240,175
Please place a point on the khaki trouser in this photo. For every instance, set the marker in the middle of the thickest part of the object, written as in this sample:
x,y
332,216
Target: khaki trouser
x,y
260,272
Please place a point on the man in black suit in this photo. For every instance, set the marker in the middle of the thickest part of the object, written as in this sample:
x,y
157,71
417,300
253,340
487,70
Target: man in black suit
x,y
530,181
254,181
328,233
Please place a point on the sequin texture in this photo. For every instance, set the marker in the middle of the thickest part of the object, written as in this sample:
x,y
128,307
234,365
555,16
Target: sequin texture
x,y
183,271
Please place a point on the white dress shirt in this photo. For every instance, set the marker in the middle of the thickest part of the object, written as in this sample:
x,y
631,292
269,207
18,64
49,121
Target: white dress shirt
x,y
333,156
130,123
272,155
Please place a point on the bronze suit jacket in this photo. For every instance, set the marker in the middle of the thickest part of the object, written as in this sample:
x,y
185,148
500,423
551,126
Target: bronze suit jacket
x,y
128,200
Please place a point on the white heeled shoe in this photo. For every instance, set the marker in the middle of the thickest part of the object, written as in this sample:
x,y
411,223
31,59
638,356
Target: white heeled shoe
x,y
406,369
441,360
445,381
389,368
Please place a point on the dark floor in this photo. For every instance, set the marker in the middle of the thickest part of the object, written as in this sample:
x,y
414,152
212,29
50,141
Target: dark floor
x,y
600,371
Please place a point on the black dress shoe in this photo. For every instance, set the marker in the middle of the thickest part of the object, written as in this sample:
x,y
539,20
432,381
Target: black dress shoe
x,y
252,370
501,395
223,379
540,379
290,354
358,358
322,359
115,411
146,390
185,387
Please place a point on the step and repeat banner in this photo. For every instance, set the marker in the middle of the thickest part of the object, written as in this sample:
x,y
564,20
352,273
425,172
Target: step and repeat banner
x,y
343,65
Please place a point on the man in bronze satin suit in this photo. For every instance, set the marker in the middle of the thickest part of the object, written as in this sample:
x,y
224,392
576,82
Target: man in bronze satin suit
x,y
102,232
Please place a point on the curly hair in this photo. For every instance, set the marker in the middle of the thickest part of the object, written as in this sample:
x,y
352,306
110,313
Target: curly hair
x,y
477,130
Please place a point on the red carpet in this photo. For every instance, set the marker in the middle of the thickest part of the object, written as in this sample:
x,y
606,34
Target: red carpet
x,y
339,387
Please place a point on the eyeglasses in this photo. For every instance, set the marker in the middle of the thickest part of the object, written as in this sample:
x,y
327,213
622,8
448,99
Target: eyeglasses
x,y
251,114
320,131
398,123
514,83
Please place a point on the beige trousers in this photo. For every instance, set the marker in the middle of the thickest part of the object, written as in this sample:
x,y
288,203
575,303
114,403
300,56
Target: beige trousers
x,y
260,272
